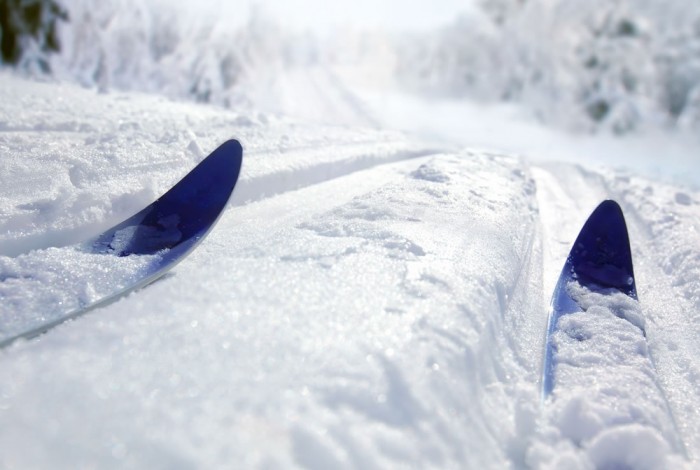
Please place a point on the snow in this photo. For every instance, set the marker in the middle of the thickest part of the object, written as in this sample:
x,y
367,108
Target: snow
x,y
44,285
370,298
601,351
620,67
365,301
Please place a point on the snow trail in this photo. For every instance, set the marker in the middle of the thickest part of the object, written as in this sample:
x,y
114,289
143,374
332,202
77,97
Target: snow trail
x,y
669,263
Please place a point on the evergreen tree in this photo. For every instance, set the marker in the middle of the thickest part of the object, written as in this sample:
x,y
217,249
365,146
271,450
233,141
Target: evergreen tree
x,y
28,28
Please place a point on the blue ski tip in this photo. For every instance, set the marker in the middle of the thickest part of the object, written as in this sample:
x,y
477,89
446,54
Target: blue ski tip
x,y
601,253
181,217
170,228
600,257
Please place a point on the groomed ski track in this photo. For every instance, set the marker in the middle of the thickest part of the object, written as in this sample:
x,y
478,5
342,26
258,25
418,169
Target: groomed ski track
x,y
366,301
666,268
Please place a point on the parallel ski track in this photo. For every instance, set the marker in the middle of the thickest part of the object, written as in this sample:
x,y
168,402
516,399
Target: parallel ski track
x,y
265,185
565,195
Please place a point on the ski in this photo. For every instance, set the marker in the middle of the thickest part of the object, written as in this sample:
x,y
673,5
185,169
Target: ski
x,y
600,260
155,239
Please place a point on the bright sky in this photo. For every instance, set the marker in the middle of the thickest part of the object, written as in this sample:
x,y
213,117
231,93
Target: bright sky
x,y
376,14
327,15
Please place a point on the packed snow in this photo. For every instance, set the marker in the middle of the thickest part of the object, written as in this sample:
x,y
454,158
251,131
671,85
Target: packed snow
x,y
600,352
370,298
45,285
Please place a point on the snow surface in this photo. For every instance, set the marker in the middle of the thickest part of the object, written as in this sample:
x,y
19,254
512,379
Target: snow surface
x,y
370,298
601,351
47,284
364,302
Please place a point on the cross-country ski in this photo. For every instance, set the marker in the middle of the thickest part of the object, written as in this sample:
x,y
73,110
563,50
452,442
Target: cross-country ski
x,y
79,278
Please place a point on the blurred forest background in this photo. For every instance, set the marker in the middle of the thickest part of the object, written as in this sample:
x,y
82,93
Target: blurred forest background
x,y
616,66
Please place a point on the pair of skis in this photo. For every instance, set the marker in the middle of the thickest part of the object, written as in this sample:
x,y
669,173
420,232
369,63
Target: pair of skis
x,y
171,227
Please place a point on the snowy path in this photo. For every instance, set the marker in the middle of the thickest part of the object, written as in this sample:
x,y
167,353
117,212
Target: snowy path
x,y
364,302
666,220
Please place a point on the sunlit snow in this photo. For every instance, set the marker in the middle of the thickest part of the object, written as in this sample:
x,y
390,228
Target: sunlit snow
x,y
376,293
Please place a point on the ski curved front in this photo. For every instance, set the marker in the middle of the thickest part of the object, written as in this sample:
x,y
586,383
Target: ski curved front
x,y
143,247
599,259
180,218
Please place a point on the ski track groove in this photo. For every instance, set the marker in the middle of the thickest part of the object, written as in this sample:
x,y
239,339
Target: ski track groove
x,y
658,298
279,182
262,185
673,333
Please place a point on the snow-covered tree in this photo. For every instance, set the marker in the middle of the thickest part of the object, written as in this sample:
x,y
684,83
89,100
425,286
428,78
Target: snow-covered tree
x,y
586,64
28,30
